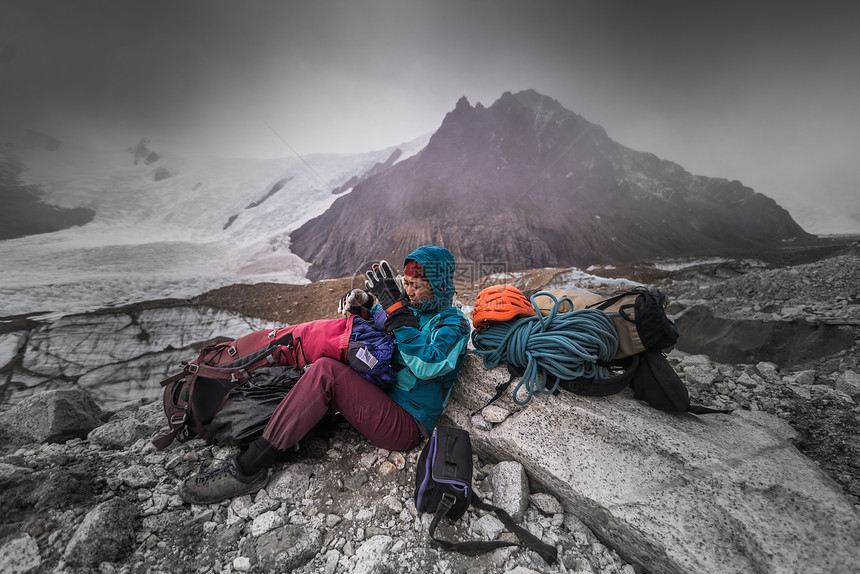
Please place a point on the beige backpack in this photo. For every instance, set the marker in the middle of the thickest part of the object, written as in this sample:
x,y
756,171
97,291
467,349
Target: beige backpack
x,y
639,316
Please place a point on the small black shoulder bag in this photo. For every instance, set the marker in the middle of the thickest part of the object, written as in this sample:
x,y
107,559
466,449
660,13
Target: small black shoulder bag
x,y
443,487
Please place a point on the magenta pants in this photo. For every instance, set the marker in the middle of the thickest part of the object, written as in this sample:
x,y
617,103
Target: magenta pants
x,y
331,386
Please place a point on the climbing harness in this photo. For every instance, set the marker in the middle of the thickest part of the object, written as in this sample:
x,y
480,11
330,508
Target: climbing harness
x,y
572,345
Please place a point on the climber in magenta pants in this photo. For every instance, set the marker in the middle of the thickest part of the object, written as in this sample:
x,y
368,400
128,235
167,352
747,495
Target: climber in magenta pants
x,y
430,335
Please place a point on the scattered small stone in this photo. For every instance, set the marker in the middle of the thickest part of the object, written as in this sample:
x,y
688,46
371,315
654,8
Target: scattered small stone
x,y
355,481
495,414
488,527
480,423
546,503
398,460
266,522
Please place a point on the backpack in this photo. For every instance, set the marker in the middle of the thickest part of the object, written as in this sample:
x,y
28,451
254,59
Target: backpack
x,y
443,487
639,316
196,394
657,383
193,396
643,321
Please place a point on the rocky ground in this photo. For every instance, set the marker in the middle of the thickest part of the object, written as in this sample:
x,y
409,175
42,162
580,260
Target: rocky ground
x,y
106,501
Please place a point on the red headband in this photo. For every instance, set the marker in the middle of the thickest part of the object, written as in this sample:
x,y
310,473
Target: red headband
x,y
414,269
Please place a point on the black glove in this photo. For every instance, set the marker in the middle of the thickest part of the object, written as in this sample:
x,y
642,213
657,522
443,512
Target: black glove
x,y
401,317
383,285
355,302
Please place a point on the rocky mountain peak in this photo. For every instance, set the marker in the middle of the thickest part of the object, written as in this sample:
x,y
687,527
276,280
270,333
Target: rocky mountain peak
x,y
528,183
528,121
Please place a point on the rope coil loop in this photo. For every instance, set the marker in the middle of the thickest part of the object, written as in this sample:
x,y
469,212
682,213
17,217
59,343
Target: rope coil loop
x,y
567,346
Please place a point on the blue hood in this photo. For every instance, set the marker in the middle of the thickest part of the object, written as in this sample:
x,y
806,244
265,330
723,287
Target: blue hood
x,y
438,264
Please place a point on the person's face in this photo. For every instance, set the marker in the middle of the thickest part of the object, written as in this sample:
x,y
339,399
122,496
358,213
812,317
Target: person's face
x,y
418,290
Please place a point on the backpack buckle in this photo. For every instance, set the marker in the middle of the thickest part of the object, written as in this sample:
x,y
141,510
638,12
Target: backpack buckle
x,y
193,368
448,501
174,422
232,351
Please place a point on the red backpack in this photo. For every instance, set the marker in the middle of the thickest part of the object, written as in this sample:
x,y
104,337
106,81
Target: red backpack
x,y
194,396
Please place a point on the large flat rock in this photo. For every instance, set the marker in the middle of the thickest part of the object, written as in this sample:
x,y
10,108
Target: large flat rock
x,y
672,492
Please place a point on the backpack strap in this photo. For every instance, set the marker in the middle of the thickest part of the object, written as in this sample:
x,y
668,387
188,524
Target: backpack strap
x,y
476,547
603,387
162,441
700,410
603,305
502,387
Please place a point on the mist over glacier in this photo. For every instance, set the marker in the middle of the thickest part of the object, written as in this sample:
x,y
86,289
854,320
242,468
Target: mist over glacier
x,y
171,228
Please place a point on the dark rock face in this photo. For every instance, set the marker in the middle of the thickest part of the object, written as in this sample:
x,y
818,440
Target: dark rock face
x,y
276,187
529,184
377,168
142,153
786,343
24,210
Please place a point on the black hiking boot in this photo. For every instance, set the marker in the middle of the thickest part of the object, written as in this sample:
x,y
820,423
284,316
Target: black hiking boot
x,y
220,483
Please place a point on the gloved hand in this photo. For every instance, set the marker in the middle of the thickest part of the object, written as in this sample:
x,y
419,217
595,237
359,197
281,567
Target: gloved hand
x,y
385,287
355,302
401,317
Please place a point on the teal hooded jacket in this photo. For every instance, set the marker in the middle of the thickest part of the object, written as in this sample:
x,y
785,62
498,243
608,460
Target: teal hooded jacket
x,y
428,358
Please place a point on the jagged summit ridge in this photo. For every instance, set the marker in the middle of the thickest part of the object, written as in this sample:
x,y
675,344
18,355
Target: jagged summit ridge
x,y
528,183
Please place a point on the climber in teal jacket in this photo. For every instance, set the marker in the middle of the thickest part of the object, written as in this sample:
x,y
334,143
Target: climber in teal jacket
x,y
430,338
431,345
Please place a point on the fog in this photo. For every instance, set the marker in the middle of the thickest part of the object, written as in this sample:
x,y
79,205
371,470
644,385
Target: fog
x,y
762,92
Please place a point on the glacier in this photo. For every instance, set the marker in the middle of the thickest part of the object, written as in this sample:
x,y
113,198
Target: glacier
x,y
160,229
101,306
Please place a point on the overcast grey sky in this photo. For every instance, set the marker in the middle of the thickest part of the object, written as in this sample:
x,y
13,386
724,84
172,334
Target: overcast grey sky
x,y
767,92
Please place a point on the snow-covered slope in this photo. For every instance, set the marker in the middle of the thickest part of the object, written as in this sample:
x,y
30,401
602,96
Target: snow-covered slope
x,y
174,227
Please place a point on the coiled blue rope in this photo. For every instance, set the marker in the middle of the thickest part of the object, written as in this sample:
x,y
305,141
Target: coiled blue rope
x,y
565,345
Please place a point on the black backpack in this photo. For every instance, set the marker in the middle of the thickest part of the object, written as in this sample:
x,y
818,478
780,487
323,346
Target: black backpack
x,y
250,406
657,383
652,379
643,321
443,487
196,394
